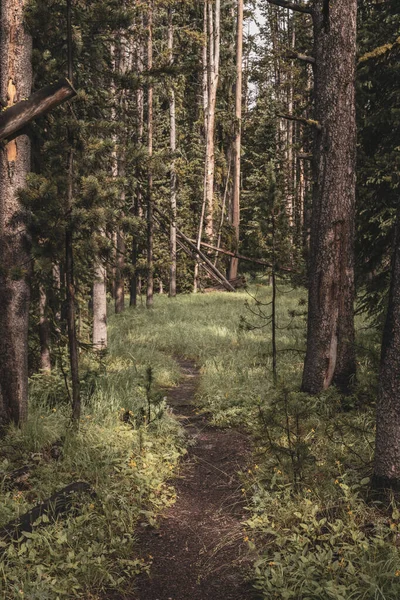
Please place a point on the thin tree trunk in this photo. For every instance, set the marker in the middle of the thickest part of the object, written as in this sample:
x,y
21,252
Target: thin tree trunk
x,y
330,356
44,332
172,111
214,32
387,449
119,279
233,268
137,204
100,307
150,221
205,98
15,85
223,207
69,252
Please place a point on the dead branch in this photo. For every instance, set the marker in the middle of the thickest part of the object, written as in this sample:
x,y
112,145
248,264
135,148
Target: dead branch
x,y
18,116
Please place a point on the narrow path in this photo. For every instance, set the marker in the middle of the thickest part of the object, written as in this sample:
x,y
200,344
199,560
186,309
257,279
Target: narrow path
x,y
198,551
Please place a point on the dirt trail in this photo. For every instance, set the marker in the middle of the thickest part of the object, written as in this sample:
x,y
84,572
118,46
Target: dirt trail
x,y
198,551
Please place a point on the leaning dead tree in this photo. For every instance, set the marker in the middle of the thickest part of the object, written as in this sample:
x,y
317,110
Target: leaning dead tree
x,y
18,116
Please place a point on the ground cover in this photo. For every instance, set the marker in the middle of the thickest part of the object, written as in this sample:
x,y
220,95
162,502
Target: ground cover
x,y
311,526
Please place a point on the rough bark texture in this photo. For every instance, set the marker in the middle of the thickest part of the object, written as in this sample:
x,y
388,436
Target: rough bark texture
x,y
233,268
387,450
150,222
172,113
214,32
100,308
69,251
137,204
44,332
15,85
119,278
21,114
330,354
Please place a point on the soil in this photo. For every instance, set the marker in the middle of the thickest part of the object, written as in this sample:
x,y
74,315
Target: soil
x,y
198,550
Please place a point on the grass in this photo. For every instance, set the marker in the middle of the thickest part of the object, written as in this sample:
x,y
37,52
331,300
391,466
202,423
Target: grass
x,y
310,523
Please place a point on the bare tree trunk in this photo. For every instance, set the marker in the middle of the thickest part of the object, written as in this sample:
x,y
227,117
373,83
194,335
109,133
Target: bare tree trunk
x,y
100,307
387,449
69,252
44,332
233,268
137,205
214,32
172,111
150,220
330,354
15,85
205,97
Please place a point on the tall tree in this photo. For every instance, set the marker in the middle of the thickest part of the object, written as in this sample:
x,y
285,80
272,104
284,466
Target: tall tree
x,y
214,42
150,200
172,112
330,356
237,137
15,85
69,248
387,450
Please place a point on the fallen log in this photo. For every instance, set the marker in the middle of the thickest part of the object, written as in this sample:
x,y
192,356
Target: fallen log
x,y
18,116
17,478
59,503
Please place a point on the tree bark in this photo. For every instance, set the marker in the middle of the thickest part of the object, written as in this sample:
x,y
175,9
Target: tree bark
x,y
21,114
44,332
15,266
150,221
69,252
100,307
214,33
137,204
330,356
387,447
233,267
119,276
205,99
172,113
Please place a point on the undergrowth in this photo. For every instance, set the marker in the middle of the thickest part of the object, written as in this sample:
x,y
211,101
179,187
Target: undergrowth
x,y
128,446
312,527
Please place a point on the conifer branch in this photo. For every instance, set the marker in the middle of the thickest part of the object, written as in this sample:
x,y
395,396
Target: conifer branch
x,y
299,56
303,120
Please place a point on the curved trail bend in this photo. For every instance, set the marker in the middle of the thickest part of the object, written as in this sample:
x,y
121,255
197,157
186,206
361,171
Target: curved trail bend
x,y
198,551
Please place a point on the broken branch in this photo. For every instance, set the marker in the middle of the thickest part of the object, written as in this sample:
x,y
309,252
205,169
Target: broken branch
x,y
299,56
303,120
16,117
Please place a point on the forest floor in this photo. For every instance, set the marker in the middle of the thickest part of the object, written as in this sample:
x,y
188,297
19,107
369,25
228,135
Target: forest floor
x,y
199,550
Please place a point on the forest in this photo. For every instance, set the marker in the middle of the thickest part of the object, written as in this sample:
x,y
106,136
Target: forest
x,y
200,299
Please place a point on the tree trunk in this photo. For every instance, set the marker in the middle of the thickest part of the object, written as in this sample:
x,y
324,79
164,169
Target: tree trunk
x,y
330,356
387,449
150,221
15,85
172,111
100,307
44,332
233,268
205,97
69,252
137,204
119,278
214,32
